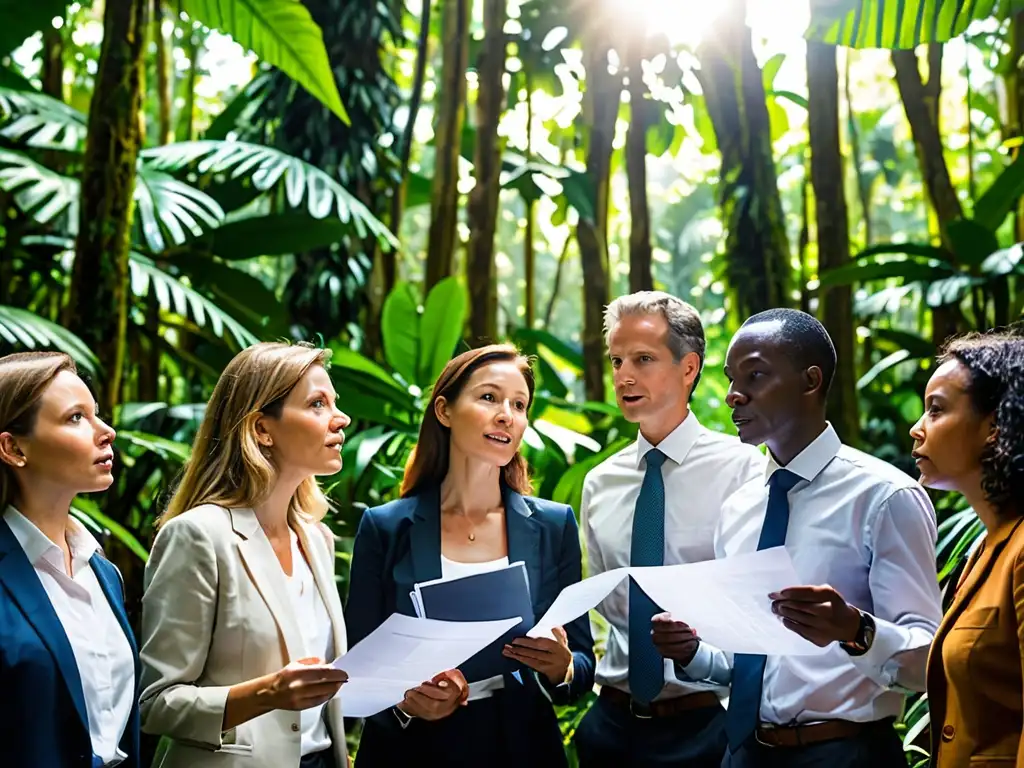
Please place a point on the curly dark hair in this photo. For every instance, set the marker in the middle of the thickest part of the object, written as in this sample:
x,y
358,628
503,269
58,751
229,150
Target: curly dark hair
x,y
995,364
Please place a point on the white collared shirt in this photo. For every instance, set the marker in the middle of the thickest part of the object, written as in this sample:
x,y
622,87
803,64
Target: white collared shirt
x,y
862,526
703,468
102,652
317,637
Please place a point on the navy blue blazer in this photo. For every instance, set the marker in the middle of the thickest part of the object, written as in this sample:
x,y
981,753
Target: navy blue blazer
x,y
399,545
45,722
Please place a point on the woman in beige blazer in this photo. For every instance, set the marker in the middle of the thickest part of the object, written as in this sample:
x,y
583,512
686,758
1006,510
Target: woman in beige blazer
x,y
241,616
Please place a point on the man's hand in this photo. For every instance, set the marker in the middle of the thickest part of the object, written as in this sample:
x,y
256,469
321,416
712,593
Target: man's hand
x,y
438,698
674,639
819,614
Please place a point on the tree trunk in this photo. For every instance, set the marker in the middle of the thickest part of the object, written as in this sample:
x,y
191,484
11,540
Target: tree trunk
x,y
600,109
1013,120
921,104
52,71
757,250
835,305
164,77
451,112
482,209
863,183
529,255
640,261
194,42
98,305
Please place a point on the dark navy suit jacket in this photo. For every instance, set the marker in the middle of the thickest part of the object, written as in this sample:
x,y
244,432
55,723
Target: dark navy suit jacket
x,y
399,545
44,720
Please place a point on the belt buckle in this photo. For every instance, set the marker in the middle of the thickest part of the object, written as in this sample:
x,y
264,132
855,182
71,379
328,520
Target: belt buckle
x,y
757,735
639,709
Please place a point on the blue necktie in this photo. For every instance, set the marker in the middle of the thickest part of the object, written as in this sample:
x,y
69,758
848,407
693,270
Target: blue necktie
x,y
748,668
646,666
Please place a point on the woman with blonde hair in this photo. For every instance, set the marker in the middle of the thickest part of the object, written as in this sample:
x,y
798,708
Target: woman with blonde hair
x,y
69,669
241,616
465,510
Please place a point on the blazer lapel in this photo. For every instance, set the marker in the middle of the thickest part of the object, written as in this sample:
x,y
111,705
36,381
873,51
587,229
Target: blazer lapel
x,y
110,583
425,537
265,571
19,577
323,575
523,538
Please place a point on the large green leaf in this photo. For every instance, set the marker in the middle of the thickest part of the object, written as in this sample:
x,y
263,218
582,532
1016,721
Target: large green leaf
x,y
38,120
440,329
20,19
274,234
88,510
297,182
892,24
400,327
174,296
21,328
998,200
39,192
280,32
908,269
971,242
168,207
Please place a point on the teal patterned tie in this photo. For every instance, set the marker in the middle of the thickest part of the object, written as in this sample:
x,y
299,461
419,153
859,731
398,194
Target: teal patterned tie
x,y
646,666
748,668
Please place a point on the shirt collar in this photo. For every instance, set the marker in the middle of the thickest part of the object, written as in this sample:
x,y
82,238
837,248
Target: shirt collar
x,y
38,547
811,460
676,444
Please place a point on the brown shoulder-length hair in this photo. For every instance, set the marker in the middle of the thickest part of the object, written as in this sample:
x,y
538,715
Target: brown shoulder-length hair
x,y
428,463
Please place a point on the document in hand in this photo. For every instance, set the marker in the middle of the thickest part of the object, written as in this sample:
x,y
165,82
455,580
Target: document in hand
x,y
725,600
488,596
402,653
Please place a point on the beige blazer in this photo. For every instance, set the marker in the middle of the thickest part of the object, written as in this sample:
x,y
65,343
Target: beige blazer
x,y
216,613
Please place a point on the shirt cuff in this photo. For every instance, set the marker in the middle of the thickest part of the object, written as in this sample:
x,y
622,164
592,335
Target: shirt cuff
x,y
403,719
876,662
569,672
699,668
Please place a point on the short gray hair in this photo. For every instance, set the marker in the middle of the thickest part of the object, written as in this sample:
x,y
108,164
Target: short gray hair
x,y
685,330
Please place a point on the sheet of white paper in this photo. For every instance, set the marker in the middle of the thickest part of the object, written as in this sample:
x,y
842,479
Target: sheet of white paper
x,y
577,599
727,602
405,651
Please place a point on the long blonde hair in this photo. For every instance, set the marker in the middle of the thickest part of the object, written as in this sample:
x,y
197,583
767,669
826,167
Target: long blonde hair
x,y
23,378
226,467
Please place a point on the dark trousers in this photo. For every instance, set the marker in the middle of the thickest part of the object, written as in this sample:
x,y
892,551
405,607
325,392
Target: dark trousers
x,y
877,746
611,737
322,759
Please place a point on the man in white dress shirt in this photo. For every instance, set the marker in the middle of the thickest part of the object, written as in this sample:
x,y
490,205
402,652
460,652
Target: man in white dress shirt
x,y
858,530
657,501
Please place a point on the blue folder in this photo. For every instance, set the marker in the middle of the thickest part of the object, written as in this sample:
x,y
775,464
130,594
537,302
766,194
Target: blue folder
x,y
490,596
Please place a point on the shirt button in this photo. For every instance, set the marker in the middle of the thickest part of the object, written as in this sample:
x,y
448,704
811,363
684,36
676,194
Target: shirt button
x,y
295,727
948,732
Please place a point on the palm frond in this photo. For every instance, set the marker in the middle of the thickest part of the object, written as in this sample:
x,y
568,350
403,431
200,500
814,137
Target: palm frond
x,y
179,298
301,183
37,120
39,192
899,24
168,207
22,329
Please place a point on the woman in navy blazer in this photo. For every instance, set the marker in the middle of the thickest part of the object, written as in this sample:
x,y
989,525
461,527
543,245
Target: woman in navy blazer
x,y
464,510
69,667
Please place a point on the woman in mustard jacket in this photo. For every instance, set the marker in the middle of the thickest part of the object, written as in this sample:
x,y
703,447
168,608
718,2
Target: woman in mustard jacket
x,y
971,440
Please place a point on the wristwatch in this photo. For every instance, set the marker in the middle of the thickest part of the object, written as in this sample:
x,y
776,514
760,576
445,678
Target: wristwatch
x,y
865,636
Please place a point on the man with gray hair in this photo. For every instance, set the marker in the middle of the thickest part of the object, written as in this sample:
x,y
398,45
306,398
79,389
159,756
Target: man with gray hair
x,y
656,502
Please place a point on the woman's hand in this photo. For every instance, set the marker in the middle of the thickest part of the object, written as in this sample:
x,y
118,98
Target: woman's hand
x,y
438,698
304,684
549,657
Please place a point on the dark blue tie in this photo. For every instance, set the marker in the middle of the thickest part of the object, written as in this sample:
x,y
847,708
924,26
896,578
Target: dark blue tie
x,y
748,668
646,666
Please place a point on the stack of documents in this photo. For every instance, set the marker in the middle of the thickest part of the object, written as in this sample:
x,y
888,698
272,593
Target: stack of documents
x,y
402,653
490,596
